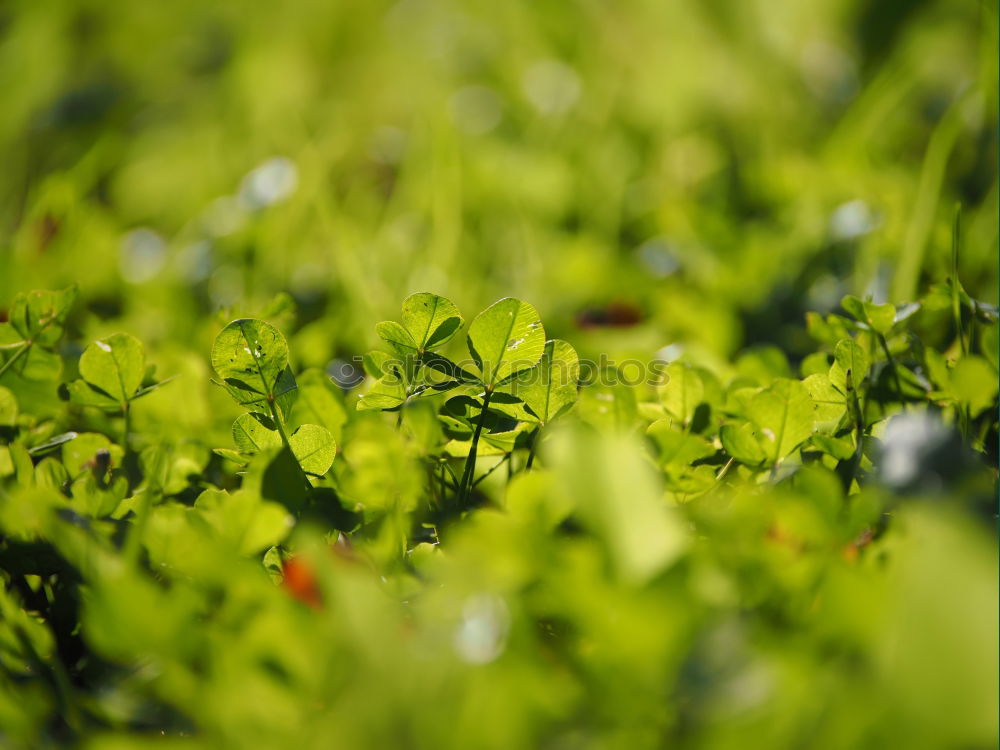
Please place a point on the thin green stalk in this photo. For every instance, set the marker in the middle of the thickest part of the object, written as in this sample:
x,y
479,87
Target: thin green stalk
x,y
493,468
724,470
956,307
892,364
451,471
125,426
534,446
470,463
16,356
276,418
275,415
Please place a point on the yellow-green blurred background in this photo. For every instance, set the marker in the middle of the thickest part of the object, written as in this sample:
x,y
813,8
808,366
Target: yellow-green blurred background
x,y
716,168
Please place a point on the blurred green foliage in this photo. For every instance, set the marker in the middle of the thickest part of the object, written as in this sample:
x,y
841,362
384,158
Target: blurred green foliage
x,y
789,542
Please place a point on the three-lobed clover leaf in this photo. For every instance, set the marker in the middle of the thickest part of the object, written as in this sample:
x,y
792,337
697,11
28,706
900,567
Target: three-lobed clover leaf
x,y
36,323
115,365
429,322
251,357
112,372
505,339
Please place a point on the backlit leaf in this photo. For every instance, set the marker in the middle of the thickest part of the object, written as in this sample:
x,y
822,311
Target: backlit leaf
x,y
431,320
505,339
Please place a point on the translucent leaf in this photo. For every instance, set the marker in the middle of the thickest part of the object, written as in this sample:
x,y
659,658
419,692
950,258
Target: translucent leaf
x,y
850,360
550,387
8,408
36,364
430,320
784,413
39,316
877,317
243,519
253,433
251,357
742,443
830,403
836,447
505,339
677,449
397,337
82,393
319,402
388,393
681,392
115,365
314,448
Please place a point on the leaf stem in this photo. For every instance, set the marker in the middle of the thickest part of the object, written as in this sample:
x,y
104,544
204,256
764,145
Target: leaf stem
x,y
534,446
276,418
25,345
493,468
956,308
465,487
892,363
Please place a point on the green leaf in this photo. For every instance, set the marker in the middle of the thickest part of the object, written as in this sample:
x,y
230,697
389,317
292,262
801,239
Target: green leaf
x,y
397,337
677,449
36,364
83,393
849,359
879,318
8,408
230,455
445,366
784,413
830,403
974,383
549,388
254,433
251,357
80,452
836,447
430,320
374,362
39,316
314,448
243,519
681,392
115,365
505,339
387,393
51,473
319,402
742,443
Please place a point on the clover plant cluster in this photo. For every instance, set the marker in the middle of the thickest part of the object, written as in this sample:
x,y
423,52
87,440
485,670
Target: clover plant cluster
x,y
353,560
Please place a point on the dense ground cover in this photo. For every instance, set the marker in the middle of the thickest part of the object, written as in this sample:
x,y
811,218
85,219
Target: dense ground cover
x,y
717,470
